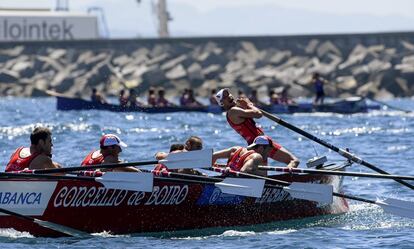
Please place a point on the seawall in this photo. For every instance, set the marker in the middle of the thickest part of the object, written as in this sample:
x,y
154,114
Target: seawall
x,y
376,64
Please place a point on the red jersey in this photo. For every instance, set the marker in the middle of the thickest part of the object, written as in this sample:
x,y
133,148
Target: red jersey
x,y
236,161
160,167
93,158
248,129
20,159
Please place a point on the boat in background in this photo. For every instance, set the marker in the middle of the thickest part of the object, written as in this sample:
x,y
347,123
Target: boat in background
x,y
346,106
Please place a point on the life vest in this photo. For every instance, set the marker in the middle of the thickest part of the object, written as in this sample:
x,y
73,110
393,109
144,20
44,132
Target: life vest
x,y
20,159
93,158
247,129
236,161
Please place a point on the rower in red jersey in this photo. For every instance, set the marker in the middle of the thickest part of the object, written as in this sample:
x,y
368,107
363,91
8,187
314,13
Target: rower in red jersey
x,y
240,115
38,156
110,148
248,159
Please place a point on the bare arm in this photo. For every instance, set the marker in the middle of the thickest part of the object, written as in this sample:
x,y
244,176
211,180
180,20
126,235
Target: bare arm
x,y
43,162
236,114
285,156
224,153
111,159
252,163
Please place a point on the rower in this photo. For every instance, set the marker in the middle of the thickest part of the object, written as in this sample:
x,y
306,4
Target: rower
x,y
161,100
255,99
240,115
247,159
132,99
38,156
174,148
97,97
192,143
152,100
110,148
284,97
212,98
318,83
188,99
123,100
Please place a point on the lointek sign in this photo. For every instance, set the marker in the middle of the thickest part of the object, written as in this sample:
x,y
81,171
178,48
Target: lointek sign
x,y
20,27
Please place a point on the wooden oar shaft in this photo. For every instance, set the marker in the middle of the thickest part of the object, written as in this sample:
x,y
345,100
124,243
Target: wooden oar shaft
x,y
93,167
355,198
333,172
342,152
41,176
186,176
388,105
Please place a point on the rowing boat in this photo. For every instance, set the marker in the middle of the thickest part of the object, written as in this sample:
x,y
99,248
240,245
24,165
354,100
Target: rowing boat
x,y
173,205
345,106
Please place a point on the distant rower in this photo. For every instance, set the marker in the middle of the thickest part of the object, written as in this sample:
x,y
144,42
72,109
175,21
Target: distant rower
x,y
97,97
318,83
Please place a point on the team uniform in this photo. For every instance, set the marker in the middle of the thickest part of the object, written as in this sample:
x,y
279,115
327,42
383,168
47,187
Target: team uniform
x,y
93,158
249,131
20,159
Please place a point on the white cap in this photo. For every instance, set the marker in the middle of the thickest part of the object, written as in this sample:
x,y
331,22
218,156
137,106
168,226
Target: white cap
x,y
220,95
260,140
111,139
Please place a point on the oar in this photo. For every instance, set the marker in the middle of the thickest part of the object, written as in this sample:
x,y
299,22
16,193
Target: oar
x,y
113,180
321,193
387,105
228,185
47,224
182,160
340,151
334,172
389,205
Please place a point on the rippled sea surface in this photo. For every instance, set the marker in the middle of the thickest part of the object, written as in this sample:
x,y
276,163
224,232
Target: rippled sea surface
x,y
384,138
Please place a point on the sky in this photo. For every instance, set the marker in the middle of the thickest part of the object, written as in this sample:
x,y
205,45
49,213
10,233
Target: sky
x,y
128,18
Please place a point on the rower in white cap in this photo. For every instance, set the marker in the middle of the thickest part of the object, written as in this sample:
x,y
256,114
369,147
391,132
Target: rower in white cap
x,y
240,115
110,148
247,159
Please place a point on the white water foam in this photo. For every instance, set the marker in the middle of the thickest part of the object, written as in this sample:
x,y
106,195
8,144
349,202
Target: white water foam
x,y
14,234
108,234
280,232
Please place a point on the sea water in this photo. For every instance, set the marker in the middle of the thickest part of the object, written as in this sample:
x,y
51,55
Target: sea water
x,y
384,138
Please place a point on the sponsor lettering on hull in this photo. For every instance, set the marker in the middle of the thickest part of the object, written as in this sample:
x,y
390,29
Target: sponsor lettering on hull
x,y
26,198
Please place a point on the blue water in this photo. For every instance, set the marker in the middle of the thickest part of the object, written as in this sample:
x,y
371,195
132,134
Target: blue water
x,y
384,138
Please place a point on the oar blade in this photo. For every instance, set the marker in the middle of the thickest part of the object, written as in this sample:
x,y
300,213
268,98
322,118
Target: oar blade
x,y
62,229
128,181
190,159
321,193
397,207
242,186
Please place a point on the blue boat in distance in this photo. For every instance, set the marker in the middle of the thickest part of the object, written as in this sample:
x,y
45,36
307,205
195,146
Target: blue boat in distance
x,y
345,106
